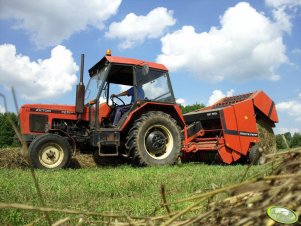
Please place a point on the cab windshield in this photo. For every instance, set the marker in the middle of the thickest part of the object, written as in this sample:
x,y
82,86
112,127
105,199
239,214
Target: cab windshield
x,y
155,85
94,83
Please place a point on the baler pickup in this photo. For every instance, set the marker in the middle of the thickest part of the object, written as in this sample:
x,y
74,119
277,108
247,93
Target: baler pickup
x,y
230,127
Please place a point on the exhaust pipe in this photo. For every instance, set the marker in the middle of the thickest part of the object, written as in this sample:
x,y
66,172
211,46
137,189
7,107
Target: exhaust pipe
x,y
80,92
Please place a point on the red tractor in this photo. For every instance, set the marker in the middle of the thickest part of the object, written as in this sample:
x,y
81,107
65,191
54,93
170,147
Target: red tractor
x,y
151,130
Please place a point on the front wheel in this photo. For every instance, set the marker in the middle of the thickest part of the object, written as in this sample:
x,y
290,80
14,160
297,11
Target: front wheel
x,y
50,151
154,139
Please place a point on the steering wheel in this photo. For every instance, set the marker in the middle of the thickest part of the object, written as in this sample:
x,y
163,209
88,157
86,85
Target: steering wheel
x,y
114,102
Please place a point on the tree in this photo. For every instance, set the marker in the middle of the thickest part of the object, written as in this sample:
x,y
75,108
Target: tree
x,y
296,140
189,108
280,142
7,133
286,140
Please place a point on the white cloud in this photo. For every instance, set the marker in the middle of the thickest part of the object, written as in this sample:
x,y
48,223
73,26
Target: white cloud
x,y
283,3
291,108
135,29
124,88
2,109
248,45
283,11
282,20
153,90
39,79
181,101
48,23
296,51
283,130
218,94
299,95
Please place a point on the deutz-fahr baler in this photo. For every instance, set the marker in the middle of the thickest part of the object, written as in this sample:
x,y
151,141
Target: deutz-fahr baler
x,y
150,131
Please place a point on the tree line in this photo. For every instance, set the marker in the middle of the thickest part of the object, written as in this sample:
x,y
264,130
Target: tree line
x,y
7,134
287,140
189,108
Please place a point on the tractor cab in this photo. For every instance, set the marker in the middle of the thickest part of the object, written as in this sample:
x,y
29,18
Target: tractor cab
x,y
143,81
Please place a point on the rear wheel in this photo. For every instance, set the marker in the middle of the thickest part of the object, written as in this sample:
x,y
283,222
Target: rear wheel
x,y
255,155
50,151
154,139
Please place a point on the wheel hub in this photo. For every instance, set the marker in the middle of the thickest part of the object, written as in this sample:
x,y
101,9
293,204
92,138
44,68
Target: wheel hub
x,y
156,142
51,155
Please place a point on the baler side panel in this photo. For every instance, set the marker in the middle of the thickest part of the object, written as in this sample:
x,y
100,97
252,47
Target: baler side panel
x,y
246,124
265,105
274,116
229,125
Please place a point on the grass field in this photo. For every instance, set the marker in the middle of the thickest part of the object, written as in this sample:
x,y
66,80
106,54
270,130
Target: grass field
x,y
135,191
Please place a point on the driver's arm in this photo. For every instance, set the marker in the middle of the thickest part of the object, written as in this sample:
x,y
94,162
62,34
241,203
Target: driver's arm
x,y
124,93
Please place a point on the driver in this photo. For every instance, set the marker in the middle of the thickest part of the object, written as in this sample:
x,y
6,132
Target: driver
x,y
130,92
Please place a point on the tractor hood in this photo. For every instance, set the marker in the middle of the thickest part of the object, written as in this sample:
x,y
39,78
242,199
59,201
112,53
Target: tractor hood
x,y
32,116
49,109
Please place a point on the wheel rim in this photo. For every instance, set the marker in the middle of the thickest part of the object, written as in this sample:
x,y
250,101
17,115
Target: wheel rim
x,y
158,142
51,155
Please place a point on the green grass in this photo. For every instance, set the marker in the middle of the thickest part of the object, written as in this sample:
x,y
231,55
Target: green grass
x,y
135,191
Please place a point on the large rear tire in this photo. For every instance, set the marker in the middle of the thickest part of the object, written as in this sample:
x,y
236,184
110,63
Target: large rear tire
x,y
50,151
154,140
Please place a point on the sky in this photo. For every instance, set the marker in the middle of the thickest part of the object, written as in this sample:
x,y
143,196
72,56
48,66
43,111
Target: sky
x,y
212,48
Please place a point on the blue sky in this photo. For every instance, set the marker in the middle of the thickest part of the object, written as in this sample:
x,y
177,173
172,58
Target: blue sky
x,y
213,48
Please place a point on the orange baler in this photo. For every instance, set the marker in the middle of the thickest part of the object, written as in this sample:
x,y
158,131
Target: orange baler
x,y
227,130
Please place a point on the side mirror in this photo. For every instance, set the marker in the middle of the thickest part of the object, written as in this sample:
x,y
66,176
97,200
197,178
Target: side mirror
x,y
145,69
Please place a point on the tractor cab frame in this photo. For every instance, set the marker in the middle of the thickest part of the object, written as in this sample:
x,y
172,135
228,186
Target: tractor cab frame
x,y
122,73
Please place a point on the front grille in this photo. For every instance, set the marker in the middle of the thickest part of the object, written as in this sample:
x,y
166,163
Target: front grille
x,y
37,123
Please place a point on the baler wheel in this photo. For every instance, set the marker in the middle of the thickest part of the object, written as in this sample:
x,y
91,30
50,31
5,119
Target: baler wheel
x,y
50,151
255,155
154,140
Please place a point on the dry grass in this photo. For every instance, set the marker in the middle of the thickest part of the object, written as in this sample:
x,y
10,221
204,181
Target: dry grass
x,y
12,158
250,200
267,139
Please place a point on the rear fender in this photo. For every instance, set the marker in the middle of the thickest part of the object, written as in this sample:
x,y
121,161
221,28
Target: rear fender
x,y
173,110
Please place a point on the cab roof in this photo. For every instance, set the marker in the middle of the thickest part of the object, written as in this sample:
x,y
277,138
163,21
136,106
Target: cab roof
x,y
125,61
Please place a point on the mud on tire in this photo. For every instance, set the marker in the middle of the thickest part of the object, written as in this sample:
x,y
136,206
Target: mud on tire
x,y
154,140
50,151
